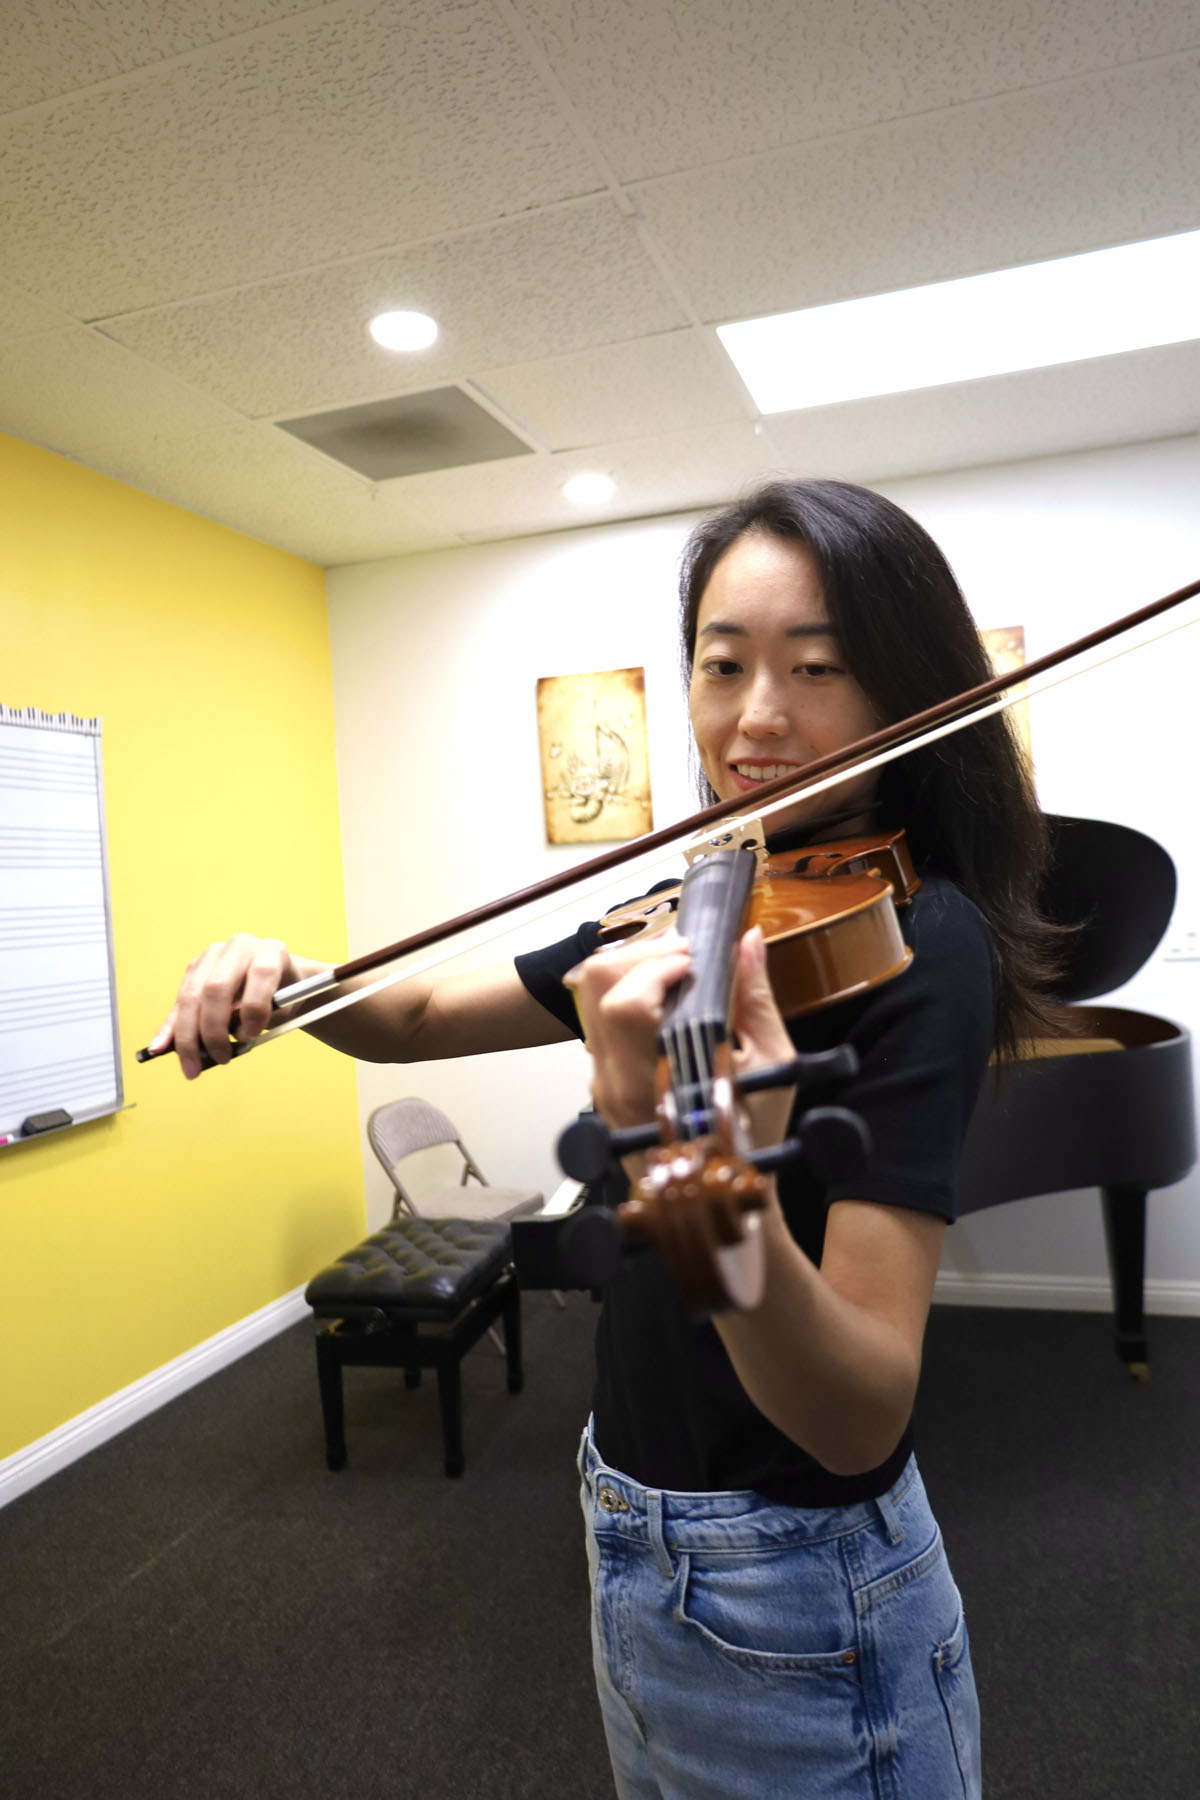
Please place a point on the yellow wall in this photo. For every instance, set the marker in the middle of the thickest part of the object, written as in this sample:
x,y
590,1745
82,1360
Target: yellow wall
x,y
125,1242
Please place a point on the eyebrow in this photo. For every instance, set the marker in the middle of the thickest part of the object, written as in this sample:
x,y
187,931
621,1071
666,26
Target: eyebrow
x,y
724,628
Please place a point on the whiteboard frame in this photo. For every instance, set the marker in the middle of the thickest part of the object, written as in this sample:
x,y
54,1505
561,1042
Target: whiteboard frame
x,y
33,718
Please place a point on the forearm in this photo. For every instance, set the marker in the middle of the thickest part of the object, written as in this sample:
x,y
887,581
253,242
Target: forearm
x,y
383,1028
833,1377
420,1020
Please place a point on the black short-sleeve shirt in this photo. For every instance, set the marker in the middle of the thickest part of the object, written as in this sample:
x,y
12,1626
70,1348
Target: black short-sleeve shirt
x,y
669,1408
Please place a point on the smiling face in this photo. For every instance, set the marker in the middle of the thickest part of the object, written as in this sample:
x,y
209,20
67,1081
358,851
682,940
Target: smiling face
x,y
769,689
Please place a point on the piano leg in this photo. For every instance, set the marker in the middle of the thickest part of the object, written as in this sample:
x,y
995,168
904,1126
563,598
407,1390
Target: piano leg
x,y
1125,1231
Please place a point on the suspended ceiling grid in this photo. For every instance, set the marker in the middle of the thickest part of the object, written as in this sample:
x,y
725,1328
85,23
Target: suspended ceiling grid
x,y
203,201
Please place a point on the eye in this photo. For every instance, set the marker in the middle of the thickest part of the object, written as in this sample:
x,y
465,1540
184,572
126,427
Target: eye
x,y
721,666
816,671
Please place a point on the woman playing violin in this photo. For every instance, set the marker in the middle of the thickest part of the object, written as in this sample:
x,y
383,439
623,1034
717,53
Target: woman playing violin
x,y
773,1613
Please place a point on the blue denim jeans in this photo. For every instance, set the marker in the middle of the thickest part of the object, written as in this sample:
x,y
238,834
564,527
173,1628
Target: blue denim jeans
x,y
747,1651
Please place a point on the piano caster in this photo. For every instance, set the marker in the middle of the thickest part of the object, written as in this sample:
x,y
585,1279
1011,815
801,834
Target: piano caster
x,y
1140,1371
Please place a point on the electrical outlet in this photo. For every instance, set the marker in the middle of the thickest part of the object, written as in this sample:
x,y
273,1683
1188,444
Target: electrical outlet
x,y
1181,945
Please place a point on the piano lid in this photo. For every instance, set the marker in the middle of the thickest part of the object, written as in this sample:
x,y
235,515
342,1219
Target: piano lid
x,y
1116,888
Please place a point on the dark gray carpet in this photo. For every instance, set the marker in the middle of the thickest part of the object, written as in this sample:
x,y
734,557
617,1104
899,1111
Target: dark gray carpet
x,y
199,1609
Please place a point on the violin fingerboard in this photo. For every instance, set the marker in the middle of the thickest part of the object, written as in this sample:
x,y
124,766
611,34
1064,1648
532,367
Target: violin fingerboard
x,y
712,905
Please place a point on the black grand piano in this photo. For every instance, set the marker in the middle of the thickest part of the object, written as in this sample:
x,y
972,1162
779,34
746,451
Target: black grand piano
x,y
1107,1104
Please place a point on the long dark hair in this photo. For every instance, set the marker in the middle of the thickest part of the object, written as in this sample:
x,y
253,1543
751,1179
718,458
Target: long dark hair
x,y
966,803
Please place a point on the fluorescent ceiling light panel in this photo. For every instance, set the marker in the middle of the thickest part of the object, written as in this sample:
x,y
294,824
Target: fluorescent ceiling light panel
x,y
1077,307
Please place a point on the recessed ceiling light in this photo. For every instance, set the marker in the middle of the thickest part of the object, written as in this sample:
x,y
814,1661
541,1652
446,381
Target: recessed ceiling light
x,y
1104,302
589,490
403,330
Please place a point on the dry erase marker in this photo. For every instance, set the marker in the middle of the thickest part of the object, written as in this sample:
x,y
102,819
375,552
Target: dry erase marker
x,y
7,1138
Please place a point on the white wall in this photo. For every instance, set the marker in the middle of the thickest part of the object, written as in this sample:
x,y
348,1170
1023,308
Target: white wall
x,y
435,662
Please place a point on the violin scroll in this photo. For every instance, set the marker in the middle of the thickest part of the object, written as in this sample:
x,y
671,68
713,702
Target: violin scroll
x,y
697,1204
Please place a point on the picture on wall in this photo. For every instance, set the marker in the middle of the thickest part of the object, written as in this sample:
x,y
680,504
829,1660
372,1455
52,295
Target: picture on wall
x,y
1005,646
595,757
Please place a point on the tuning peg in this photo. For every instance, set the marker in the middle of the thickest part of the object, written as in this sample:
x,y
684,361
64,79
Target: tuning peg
x,y
836,1142
807,1069
587,1147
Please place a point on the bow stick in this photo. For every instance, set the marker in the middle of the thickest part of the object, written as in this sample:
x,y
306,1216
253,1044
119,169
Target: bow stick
x,y
868,753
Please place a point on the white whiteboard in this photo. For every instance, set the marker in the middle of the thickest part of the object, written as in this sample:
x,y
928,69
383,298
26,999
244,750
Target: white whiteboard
x,y
58,1010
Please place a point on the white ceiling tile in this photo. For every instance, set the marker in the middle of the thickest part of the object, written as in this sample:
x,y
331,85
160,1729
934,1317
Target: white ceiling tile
x,y
51,47
21,314
671,472
77,393
693,82
325,138
1042,412
256,479
1099,161
655,384
533,287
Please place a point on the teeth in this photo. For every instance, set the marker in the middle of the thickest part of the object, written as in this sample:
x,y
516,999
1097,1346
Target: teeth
x,y
764,771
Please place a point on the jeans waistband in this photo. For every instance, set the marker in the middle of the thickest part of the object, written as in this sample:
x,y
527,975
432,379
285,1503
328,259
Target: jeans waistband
x,y
730,1519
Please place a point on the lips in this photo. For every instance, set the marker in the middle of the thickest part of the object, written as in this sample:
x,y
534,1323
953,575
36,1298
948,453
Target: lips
x,y
750,775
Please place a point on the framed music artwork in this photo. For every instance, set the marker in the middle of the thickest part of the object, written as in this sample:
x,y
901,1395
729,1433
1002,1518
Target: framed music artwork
x,y
595,756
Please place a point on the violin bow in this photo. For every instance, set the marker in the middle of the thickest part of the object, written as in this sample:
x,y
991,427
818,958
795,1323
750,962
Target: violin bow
x,y
866,754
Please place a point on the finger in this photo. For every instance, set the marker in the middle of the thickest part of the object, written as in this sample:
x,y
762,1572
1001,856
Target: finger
x,y
186,1028
622,1024
260,983
621,998
756,1017
221,993
607,966
764,1039
163,1038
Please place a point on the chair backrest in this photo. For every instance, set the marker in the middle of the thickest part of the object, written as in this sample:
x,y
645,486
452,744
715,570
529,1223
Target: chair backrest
x,y
399,1127
1116,887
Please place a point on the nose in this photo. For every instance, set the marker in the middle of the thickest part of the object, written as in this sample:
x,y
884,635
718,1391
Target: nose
x,y
764,713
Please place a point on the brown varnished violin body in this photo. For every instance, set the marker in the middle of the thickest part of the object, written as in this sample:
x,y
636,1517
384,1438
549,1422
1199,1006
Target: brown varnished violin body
x,y
827,913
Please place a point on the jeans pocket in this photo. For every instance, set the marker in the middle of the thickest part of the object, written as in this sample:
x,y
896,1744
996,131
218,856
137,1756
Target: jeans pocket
x,y
956,1685
768,1614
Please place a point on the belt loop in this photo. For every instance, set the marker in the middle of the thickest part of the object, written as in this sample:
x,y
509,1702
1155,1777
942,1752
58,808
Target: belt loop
x,y
654,1522
890,1515
587,1459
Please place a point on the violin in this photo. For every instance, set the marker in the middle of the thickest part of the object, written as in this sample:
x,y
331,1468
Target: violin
x,y
829,918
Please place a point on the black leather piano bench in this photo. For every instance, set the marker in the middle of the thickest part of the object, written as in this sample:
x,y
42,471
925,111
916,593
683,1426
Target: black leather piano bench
x,y
415,1296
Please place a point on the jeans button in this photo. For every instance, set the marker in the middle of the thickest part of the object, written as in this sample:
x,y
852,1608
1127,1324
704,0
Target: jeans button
x,y
611,1501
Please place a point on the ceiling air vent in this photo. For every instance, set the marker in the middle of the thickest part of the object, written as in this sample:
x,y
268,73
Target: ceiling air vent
x,y
441,429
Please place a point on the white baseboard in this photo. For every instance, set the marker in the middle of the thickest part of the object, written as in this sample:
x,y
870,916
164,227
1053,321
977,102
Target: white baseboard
x,y
1061,1293
88,1430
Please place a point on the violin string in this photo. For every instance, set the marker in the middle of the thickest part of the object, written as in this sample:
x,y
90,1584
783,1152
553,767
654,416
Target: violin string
x,y
688,1068
700,1058
671,1045
668,855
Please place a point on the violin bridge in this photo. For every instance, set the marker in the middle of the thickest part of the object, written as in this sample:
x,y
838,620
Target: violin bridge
x,y
739,834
